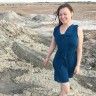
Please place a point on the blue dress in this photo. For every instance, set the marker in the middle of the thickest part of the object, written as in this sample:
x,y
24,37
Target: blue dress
x,y
65,58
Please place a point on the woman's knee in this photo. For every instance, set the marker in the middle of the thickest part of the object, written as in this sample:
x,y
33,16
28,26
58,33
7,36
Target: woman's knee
x,y
65,87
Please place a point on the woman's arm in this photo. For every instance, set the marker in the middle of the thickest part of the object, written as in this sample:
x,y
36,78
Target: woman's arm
x,y
52,47
80,45
50,51
79,50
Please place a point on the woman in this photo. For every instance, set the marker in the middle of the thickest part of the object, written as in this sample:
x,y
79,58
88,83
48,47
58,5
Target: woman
x,y
68,38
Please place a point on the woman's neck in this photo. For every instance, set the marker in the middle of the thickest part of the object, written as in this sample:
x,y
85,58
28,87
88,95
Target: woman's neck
x,y
67,24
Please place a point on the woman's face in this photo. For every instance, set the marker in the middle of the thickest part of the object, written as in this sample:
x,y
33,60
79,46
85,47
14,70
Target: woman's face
x,y
65,15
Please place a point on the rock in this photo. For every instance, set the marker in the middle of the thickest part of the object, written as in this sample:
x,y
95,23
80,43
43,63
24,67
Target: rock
x,y
43,17
29,55
8,84
9,16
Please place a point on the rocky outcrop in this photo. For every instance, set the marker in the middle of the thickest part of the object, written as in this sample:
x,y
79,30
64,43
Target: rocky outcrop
x,y
29,55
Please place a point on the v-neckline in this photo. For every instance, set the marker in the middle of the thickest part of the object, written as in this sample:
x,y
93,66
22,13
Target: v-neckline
x,y
65,30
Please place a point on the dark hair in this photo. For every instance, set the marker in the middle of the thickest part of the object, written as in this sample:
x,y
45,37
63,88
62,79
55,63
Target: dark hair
x,y
63,6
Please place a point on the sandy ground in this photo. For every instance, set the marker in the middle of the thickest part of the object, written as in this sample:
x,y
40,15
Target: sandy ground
x,y
81,10
22,78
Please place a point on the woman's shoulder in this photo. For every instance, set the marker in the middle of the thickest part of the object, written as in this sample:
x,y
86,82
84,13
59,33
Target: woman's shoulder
x,y
80,28
55,30
80,31
56,27
77,26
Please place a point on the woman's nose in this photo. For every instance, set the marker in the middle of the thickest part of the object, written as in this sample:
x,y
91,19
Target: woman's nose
x,y
62,16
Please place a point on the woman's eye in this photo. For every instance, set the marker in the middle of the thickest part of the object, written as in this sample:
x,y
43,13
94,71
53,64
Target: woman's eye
x,y
62,14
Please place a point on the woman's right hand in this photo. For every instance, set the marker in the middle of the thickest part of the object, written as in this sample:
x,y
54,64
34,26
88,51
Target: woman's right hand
x,y
46,61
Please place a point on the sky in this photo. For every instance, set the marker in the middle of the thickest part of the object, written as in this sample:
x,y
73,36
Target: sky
x,y
30,1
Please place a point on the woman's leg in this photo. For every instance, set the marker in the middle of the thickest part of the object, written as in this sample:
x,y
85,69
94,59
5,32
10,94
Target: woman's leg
x,y
65,89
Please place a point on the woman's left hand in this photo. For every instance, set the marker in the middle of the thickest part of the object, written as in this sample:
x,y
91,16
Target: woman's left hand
x,y
77,70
